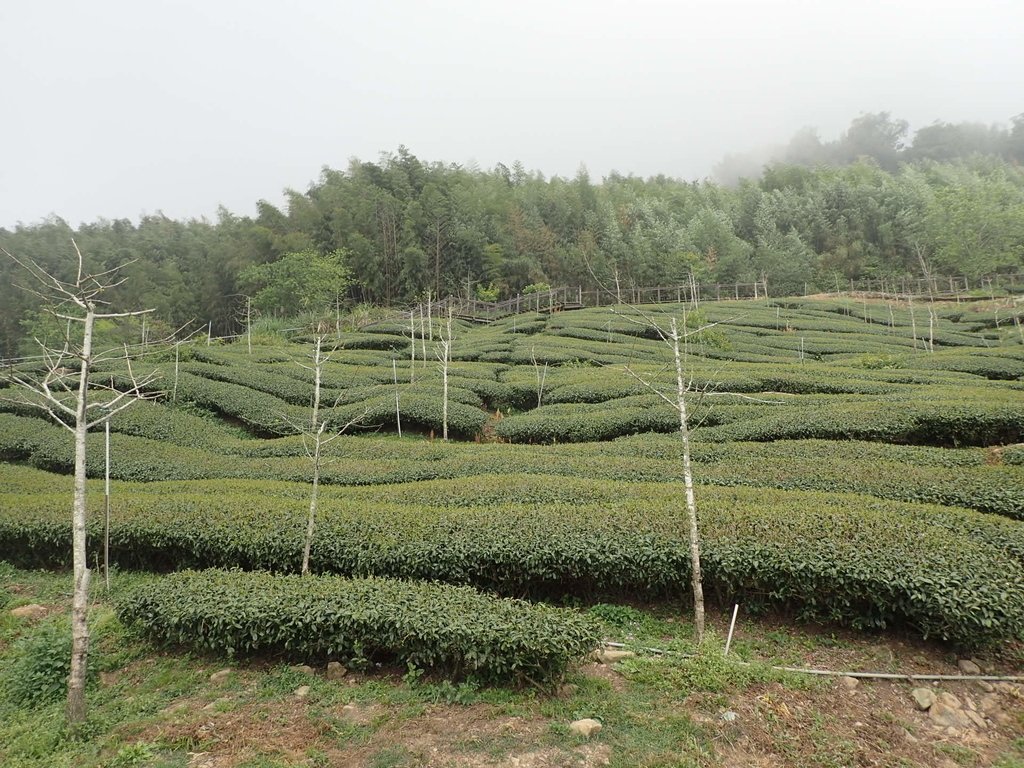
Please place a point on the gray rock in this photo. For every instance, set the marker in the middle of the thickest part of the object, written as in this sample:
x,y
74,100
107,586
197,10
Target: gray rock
x,y
986,686
977,719
303,668
360,714
217,704
611,656
950,700
31,611
336,670
729,716
586,727
219,677
948,717
302,692
968,667
923,697
908,736
989,703
849,683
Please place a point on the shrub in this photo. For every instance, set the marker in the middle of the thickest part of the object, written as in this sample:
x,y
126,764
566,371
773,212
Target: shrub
x,y
427,626
37,665
948,573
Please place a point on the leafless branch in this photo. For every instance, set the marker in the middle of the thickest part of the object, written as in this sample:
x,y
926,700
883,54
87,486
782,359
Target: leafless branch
x,y
652,388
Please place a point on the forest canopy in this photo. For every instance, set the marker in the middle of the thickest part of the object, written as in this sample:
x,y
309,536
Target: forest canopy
x,y
871,203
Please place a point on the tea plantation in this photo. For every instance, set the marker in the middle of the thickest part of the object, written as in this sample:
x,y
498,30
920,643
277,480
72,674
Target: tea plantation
x,y
854,465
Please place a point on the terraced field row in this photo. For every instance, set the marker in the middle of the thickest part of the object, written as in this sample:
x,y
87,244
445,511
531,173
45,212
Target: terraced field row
x,y
856,462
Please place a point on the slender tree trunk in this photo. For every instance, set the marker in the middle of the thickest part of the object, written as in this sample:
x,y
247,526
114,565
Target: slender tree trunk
x,y
106,503
317,372
318,432
398,408
423,338
913,321
314,500
445,355
691,502
412,342
80,598
174,390
430,316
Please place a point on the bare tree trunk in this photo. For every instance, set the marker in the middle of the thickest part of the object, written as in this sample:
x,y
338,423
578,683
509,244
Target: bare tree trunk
x,y
81,296
174,390
318,431
80,598
691,502
398,408
541,375
430,317
913,321
423,339
314,500
444,356
106,503
412,343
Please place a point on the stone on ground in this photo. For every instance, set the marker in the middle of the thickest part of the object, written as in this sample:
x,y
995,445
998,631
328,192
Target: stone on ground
x,y
611,656
220,676
923,697
586,727
968,667
31,611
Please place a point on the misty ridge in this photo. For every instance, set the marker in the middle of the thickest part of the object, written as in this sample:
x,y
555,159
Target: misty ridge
x,y
815,214
884,139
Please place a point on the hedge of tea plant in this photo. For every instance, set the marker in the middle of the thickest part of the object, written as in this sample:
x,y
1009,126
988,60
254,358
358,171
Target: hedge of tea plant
x,y
454,629
941,572
972,478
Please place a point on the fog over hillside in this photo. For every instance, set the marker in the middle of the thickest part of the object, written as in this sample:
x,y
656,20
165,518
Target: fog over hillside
x,y
116,109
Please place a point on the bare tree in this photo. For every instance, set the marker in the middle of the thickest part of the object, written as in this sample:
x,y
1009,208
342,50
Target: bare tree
x,y
412,346
316,436
398,401
443,351
245,315
542,374
675,337
78,404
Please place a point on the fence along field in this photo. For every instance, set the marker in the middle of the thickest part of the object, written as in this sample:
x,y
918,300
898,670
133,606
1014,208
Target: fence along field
x,y
857,462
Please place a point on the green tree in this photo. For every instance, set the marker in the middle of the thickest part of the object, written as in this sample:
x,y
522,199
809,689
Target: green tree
x,y
298,282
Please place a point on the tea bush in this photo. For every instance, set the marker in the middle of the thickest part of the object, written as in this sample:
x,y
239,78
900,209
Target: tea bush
x,y
458,630
952,574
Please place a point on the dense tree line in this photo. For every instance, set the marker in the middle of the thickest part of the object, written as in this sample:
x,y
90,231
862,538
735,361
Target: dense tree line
x,y
865,205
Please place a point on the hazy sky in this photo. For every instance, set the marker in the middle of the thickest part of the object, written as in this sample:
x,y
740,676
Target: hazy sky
x,y
116,108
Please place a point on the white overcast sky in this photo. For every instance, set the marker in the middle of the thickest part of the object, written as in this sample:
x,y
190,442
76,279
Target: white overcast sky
x,y
117,108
